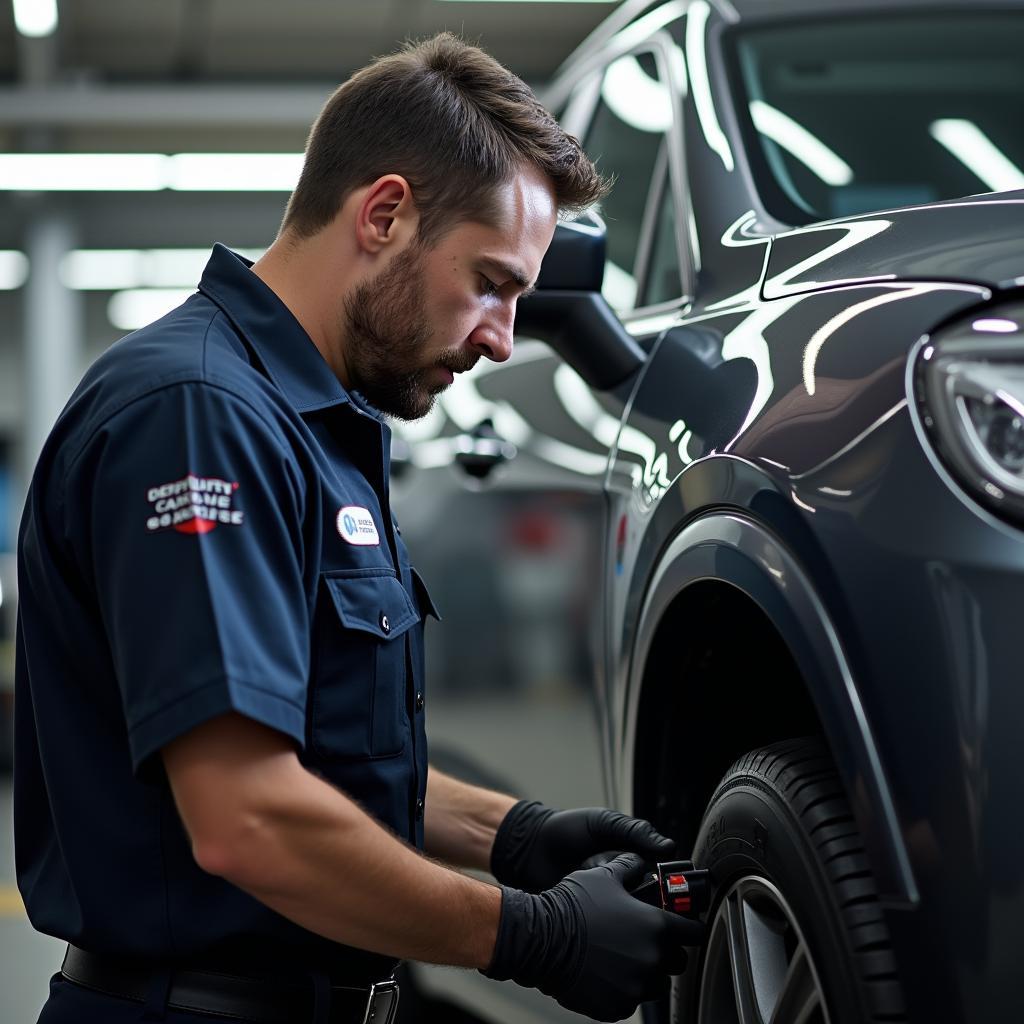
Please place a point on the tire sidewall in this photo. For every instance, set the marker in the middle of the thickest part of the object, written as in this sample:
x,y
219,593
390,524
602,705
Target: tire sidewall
x,y
749,830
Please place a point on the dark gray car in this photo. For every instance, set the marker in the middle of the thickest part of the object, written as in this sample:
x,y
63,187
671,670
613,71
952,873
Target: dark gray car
x,y
744,555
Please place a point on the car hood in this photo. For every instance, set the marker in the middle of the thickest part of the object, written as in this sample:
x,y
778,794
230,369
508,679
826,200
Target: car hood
x,y
979,240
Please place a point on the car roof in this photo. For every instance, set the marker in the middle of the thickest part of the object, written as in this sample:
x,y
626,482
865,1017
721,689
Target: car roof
x,y
762,11
776,10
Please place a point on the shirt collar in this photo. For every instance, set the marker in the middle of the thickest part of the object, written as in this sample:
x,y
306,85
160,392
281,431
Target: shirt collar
x,y
291,359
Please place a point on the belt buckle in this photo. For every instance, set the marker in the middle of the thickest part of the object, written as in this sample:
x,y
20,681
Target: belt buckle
x,y
387,992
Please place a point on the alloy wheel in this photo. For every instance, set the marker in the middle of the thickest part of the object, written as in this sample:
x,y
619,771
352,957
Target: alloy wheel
x,y
758,968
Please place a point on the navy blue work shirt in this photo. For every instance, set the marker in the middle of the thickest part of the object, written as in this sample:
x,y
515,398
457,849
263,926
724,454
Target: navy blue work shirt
x,y
208,530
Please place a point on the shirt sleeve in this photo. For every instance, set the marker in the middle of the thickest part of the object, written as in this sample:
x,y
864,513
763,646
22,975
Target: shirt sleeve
x,y
190,522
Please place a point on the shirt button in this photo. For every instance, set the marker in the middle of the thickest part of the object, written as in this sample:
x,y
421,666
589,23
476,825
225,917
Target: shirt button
x,y
419,810
419,701
385,623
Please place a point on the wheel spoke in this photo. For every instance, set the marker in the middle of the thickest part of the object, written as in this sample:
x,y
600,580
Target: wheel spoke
x,y
799,997
739,959
757,967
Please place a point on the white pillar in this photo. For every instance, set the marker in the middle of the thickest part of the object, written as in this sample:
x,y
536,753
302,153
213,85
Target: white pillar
x,y
54,330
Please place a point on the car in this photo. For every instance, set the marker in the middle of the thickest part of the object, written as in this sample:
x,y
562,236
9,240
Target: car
x,y
733,541
8,597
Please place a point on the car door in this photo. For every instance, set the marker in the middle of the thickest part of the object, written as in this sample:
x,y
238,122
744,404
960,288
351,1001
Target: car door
x,y
500,495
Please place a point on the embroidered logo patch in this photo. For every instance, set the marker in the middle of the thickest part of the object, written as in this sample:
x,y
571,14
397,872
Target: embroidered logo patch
x,y
356,525
193,504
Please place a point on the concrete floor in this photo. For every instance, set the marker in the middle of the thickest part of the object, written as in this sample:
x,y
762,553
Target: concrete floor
x,y
27,959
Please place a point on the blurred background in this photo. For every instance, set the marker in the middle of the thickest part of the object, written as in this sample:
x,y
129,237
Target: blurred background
x,y
133,135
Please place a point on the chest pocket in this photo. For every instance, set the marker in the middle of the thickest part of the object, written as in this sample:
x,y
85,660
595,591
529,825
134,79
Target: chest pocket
x,y
358,698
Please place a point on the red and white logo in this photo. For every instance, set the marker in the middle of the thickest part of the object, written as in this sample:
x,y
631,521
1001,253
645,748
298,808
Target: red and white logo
x,y
193,504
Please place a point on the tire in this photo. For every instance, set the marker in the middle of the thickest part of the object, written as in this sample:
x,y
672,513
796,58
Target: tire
x,y
795,905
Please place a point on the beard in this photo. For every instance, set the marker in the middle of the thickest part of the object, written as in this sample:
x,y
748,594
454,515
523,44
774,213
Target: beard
x,y
387,331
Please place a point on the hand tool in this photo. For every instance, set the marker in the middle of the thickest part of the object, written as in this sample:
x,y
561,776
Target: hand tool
x,y
678,887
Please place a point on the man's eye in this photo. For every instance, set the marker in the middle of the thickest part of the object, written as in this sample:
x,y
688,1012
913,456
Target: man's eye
x,y
488,286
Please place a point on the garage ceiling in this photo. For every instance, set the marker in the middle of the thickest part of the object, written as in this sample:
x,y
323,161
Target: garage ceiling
x,y
249,76
269,41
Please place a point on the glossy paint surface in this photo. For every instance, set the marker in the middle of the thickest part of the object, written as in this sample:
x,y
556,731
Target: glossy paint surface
x,y
906,244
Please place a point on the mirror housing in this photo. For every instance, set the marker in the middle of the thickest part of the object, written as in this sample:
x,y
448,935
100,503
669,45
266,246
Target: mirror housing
x,y
569,312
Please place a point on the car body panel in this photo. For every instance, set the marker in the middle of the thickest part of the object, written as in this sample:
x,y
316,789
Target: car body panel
x,y
809,424
907,245
728,547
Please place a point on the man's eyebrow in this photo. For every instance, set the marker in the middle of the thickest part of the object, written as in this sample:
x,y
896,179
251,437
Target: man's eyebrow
x,y
513,273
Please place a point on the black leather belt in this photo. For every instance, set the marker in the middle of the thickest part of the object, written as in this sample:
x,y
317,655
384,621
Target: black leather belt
x,y
230,996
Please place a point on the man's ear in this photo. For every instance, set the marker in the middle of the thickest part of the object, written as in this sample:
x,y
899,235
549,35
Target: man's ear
x,y
386,214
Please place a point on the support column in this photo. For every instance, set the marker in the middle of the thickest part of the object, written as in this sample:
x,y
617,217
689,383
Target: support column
x,y
54,330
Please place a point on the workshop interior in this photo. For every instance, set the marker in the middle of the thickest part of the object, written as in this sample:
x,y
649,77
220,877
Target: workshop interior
x,y
731,542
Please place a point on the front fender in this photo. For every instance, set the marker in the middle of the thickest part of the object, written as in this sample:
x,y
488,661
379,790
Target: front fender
x,y
731,548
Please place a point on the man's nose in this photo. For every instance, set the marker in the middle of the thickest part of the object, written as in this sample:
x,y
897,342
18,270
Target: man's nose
x,y
493,338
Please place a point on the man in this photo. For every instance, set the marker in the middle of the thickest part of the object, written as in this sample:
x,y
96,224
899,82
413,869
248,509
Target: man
x,y
221,783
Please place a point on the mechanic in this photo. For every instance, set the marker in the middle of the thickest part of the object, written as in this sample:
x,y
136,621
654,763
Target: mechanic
x,y
222,799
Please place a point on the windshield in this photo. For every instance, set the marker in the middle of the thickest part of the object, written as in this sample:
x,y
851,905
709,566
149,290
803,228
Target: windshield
x,y
845,116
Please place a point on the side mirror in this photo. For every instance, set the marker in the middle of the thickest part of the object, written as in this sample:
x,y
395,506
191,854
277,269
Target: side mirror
x,y
569,312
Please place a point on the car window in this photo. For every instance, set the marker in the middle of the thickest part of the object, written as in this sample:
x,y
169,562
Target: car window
x,y
662,280
631,119
850,115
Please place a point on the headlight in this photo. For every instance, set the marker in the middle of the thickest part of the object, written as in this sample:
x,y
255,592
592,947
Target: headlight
x,y
970,385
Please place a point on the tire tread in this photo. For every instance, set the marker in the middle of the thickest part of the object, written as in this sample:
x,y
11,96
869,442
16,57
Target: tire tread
x,y
802,774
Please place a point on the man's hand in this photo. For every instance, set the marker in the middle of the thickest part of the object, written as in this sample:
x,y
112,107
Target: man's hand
x,y
536,846
591,945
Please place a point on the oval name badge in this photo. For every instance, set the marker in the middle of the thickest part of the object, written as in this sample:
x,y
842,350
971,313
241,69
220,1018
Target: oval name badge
x,y
356,525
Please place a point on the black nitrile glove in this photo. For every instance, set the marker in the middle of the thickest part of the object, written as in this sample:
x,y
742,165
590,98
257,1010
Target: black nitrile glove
x,y
536,846
591,945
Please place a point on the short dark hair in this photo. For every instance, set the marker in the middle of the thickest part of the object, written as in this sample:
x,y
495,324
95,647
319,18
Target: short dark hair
x,y
453,122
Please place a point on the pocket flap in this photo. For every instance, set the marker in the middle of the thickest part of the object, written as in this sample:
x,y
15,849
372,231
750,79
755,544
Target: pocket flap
x,y
427,605
377,603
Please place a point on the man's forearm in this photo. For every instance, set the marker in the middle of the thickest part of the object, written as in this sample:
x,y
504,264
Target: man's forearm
x,y
461,820
338,873
260,820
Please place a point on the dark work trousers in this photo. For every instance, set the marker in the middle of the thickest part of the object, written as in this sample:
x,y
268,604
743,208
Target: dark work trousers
x,y
72,1004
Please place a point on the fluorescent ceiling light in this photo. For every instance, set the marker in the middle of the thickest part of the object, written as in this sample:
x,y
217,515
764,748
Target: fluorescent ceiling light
x,y
996,325
13,269
235,172
35,18
130,310
796,139
108,269
978,153
82,172
149,172
114,269
636,98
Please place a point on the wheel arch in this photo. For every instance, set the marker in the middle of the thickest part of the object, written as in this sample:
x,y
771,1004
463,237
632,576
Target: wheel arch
x,y
726,599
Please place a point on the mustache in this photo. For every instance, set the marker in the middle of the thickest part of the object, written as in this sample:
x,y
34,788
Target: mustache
x,y
459,362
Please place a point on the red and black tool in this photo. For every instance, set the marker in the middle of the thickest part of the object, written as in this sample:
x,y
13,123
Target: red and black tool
x,y
677,886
